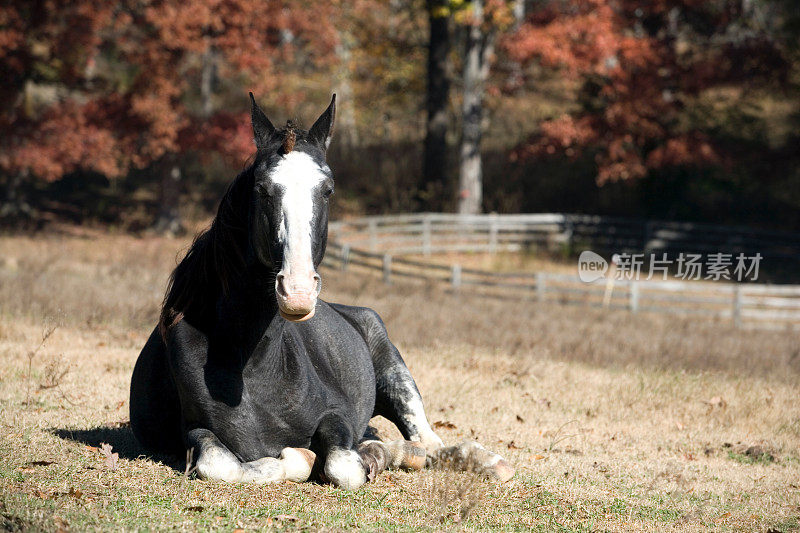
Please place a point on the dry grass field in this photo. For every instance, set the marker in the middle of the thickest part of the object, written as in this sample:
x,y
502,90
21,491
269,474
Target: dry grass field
x,y
614,421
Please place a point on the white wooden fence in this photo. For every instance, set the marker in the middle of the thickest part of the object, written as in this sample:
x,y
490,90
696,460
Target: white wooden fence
x,y
384,244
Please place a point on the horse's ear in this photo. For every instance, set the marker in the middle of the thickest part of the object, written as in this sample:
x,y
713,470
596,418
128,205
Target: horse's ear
x,y
322,129
262,127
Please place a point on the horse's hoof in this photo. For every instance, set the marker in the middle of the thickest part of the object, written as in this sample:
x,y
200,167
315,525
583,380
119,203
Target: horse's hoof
x,y
297,463
502,471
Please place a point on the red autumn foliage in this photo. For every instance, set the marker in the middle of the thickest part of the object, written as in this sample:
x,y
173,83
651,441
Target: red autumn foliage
x,y
107,86
639,63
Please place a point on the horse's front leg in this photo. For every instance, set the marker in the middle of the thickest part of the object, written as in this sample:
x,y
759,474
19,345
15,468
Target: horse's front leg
x,y
398,399
216,462
396,395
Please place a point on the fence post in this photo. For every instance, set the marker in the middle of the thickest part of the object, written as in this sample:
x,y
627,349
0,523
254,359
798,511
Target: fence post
x,y
426,235
737,306
345,256
387,269
569,230
373,235
492,233
455,277
541,286
634,297
648,232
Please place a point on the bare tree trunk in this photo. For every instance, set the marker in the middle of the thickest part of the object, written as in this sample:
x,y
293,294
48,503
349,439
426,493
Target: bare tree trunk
x,y
479,48
169,216
347,133
14,208
438,95
515,78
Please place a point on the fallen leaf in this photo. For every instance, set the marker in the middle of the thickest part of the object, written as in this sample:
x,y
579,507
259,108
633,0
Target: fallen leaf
x,y
512,446
75,493
443,424
520,419
112,458
195,508
538,457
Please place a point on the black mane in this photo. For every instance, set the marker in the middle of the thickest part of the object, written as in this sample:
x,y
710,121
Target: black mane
x,y
215,259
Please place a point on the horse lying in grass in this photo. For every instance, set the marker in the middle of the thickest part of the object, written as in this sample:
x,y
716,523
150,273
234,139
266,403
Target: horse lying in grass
x,y
250,370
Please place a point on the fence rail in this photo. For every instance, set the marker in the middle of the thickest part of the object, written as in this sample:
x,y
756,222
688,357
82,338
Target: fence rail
x,y
383,243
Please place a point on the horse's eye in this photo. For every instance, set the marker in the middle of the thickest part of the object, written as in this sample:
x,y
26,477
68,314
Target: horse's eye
x,y
327,192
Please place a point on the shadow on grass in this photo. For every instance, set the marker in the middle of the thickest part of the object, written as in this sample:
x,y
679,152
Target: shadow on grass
x,y
122,442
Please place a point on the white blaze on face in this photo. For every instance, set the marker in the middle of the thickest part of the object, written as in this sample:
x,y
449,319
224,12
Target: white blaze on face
x,y
297,283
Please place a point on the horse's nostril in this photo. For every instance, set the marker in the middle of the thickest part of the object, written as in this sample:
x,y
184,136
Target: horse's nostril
x,y
317,284
279,284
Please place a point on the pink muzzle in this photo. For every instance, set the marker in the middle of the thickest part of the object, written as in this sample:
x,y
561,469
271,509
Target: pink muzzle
x,y
297,295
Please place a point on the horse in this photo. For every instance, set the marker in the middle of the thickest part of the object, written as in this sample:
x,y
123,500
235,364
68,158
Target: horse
x,y
248,370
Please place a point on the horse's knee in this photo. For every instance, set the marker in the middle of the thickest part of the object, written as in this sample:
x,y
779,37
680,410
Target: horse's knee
x,y
218,464
345,469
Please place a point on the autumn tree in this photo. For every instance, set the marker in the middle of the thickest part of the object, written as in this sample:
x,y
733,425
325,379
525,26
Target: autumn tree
x,y
50,123
114,86
638,66
378,55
